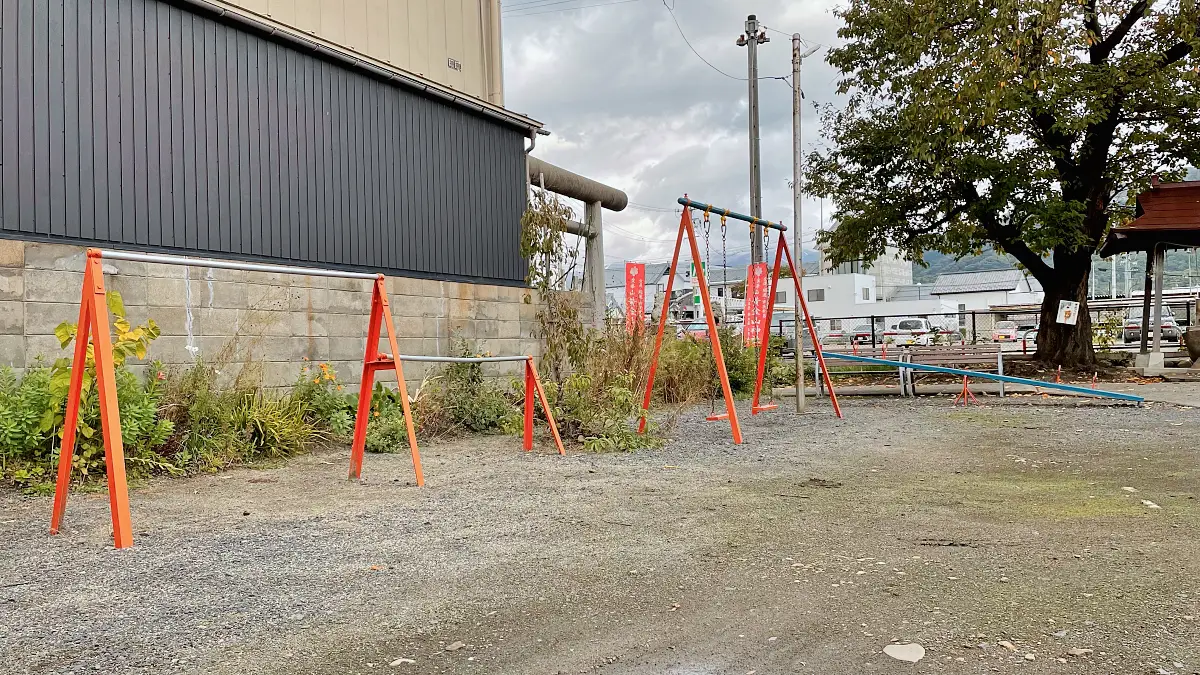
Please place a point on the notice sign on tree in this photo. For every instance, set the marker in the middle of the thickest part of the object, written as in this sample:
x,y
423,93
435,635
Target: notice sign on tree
x,y
756,309
635,296
1068,312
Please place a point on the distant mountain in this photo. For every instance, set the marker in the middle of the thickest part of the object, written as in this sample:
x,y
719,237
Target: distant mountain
x,y
940,263
1182,269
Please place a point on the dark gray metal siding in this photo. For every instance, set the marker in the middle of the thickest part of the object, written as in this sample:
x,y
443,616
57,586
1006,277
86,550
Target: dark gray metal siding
x,y
138,124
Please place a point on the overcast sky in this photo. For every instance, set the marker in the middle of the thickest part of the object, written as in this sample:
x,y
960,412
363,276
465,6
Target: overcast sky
x,y
629,104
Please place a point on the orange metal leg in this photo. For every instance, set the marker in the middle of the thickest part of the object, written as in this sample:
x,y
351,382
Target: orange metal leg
x,y
381,316
381,292
529,396
662,323
713,336
537,384
965,395
812,331
66,452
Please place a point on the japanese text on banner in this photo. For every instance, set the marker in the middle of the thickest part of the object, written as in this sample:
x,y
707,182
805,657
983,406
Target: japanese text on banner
x,y
635,296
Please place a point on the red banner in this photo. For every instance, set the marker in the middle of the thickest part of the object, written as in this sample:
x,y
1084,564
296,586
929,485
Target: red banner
x,y
758,287
635,296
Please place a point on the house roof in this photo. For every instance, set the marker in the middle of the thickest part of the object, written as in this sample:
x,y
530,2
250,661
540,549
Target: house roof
x,y
977,282
614,275
1168,214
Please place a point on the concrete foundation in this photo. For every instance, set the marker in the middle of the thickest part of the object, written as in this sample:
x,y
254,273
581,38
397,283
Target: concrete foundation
x,y
275,320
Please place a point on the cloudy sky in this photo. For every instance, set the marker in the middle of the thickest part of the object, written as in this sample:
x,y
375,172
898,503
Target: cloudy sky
x,y
629,104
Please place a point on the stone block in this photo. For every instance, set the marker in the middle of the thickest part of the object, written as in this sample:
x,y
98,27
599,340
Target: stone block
x,y
411,327
347,350
487,310
256,322
213,322
487,330
509,329
459,327
133,289
486,293
170,320
41,318
12,317
43,347
63,257
12,283
52,285
263,297
528,312
308,324
346,325
343,284
350,302
12,253
510,294
12,350
508,311
421,306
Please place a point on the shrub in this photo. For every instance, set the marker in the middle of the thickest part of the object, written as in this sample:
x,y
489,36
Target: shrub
x,y
325,403
686,373
386,433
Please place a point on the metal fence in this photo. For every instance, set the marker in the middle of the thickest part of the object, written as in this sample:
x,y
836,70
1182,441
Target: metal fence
x,y
1113,328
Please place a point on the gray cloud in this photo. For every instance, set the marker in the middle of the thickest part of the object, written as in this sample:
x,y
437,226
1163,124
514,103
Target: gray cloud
x,y
629,104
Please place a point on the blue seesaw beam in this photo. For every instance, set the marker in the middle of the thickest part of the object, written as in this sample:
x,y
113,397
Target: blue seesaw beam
x,y
717,210
989,376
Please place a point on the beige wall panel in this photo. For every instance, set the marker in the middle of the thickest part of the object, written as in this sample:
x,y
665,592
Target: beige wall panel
x,y
356,25
474,65
453,29
378,31
333,21
308,16
398,29
419,36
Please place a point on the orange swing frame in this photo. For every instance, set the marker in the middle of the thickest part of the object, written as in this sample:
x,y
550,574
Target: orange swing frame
x,y
764,344
685,228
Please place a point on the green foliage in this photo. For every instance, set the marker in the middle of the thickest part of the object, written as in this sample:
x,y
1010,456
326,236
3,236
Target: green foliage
x,y
1024,126
326,404
685,371
387,433
1110,330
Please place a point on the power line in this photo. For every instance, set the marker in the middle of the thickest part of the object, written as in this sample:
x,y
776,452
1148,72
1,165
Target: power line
x,y
706,61
517,12
646,207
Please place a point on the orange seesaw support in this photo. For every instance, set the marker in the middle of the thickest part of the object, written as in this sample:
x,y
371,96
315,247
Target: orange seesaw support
x,y
780,251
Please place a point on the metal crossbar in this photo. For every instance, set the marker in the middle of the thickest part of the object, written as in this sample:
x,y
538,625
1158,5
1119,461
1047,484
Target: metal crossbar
x,y
989,376
164,259
692,203
462,359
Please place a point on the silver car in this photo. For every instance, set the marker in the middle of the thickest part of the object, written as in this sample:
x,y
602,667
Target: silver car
x,y
1133,325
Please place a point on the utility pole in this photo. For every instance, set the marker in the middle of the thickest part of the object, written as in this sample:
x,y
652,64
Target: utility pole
x,y
797,207
753,37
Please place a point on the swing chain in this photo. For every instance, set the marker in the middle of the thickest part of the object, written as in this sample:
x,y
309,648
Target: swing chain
x,y
724,272
707,235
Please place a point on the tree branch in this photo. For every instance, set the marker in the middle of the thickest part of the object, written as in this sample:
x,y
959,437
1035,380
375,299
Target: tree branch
x,y
1179,51
1091,21
1101,50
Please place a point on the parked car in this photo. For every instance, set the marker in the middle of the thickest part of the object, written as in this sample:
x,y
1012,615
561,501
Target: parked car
x,y
1028,334
1005,331
860,334
909,331
1133,325
834,336
698,330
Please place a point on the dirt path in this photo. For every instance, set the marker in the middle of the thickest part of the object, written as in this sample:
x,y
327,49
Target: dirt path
x,y
806,550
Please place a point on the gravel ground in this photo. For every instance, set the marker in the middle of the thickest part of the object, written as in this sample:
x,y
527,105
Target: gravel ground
x,y
805,550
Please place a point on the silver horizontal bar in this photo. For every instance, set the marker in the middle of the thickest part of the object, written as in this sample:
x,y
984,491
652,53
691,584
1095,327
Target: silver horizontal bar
x,y
461,359
164,259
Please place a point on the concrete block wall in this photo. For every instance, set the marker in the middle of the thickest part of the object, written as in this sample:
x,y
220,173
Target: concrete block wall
x,y
275,320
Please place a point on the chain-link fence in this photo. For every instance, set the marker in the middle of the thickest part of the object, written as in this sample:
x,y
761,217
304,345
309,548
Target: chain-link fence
x,y
1112,328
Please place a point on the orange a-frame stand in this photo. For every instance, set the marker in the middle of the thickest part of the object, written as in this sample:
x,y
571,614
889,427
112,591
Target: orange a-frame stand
x,y
381,315
93,323
685,227
780,251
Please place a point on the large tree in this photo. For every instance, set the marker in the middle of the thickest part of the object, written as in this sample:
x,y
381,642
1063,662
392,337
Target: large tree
x,y
1019,124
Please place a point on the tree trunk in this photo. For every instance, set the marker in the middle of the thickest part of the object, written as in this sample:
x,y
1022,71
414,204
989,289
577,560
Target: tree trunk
x,y
1061,344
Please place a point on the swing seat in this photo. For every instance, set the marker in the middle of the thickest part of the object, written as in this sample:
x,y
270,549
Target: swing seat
x,y
717,418
763,408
